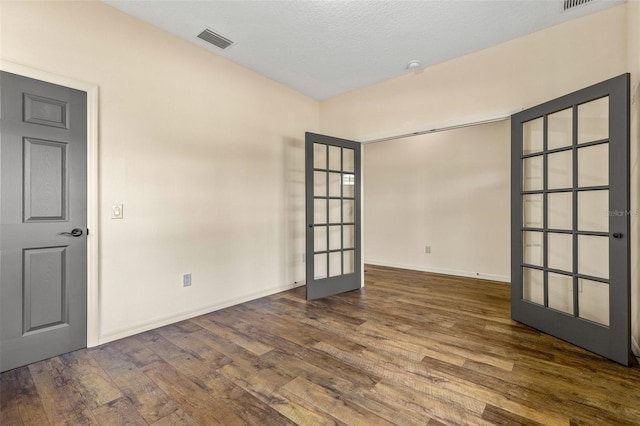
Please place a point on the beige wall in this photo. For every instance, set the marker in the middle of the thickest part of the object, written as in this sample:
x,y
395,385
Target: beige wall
x,y
206,156
493,82
448,190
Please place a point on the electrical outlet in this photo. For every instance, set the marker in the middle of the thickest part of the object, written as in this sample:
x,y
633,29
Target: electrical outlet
x,y
117,211
186,280
304,257
427,249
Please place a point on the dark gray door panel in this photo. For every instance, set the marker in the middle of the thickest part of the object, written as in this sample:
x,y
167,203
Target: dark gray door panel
x,y
43,195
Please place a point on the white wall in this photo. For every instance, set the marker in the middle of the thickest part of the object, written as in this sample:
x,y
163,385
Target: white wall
x,y
448,190
206,156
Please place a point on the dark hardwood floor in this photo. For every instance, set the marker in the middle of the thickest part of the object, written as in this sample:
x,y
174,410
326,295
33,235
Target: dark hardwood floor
x,y
411,348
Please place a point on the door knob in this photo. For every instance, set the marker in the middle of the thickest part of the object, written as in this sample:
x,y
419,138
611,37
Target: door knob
x,y
617,235
75,232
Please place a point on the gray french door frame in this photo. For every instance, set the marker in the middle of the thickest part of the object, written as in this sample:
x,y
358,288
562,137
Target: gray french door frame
x,y
332,205
612,339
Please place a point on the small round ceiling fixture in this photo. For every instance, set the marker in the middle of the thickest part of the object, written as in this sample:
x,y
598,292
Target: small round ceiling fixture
x,y
414,65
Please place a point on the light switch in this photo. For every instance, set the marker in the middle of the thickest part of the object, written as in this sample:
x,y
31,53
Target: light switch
x,y
116,211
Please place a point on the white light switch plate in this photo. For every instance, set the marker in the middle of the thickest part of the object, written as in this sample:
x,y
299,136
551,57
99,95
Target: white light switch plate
x,y
116,211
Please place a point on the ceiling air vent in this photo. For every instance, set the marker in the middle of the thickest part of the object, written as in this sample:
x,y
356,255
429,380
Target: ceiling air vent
x,y
215,39
570,4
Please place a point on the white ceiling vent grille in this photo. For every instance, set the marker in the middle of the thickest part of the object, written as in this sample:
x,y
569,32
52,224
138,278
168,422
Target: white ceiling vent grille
x,y
215,39
570,4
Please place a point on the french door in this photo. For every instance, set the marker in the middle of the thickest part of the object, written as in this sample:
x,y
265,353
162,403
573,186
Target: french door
x,y
333,185
570,218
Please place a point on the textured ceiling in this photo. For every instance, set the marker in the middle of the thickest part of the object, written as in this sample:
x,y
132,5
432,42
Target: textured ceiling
x,y
325,48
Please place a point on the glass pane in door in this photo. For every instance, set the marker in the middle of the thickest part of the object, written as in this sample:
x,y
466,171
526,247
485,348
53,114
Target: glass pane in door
x,y
348,236
532,136
561,292
335,237
533,285
335,160
335,184
347,211
348,163
593,165
319,156
593,211
593,120
560,251
320,184
319,211
593,301
532,210
320,266
319,238
560,170
335,264
560,129
349,262
593,256
532,250
559,210
532,173
348,185
335,211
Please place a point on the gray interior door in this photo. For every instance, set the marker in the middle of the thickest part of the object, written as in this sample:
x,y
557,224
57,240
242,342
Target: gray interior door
x,y
570,218
42,220
333,185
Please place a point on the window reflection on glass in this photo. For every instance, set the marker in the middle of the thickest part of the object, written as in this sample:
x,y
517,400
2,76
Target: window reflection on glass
x,y
348,185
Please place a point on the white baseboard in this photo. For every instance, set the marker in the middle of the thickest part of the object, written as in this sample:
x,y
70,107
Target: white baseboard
x,y
159,322
492,277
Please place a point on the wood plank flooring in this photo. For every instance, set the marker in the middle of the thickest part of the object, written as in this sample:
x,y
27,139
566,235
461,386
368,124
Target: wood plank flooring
x,y
411,348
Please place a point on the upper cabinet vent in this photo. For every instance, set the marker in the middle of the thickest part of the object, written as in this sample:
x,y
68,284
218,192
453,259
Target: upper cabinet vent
x,y
570,4
215,39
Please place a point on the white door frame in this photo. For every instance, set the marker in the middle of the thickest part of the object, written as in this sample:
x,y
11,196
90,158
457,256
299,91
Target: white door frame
x,y
93,286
